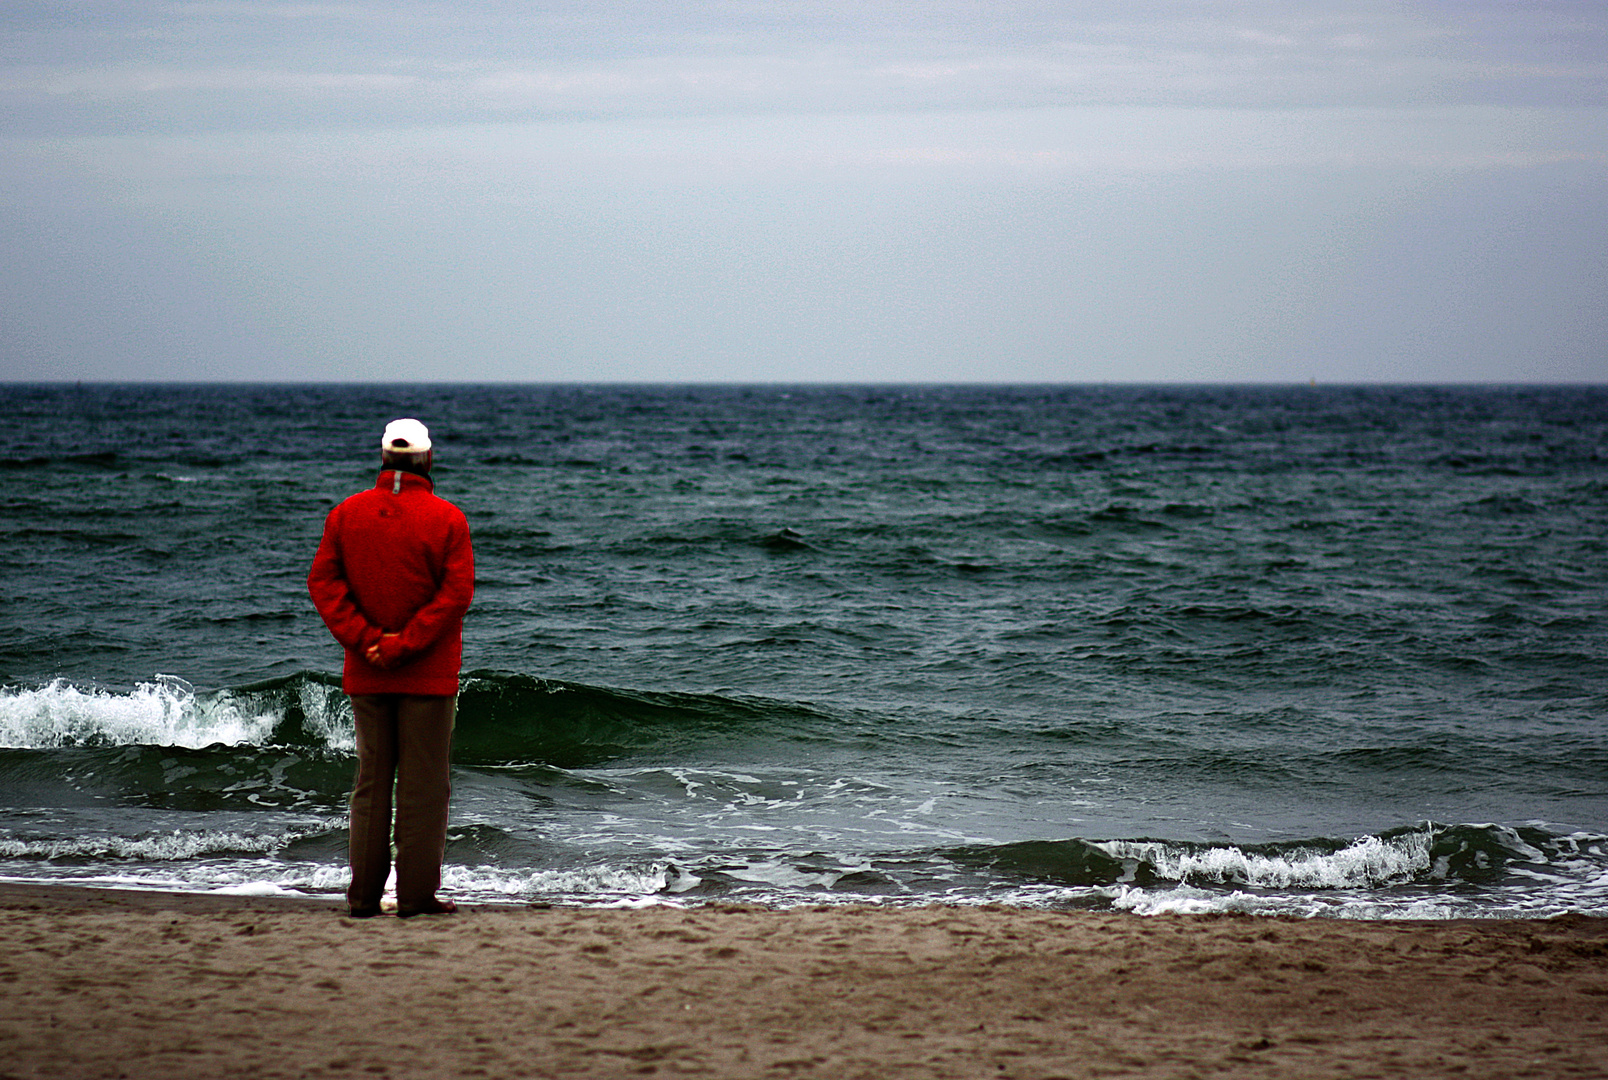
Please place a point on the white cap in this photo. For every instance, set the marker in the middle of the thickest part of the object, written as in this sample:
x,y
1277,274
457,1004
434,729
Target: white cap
x,y
405,437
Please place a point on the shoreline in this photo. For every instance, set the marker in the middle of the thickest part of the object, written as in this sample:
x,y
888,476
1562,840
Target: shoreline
x,y
106,983
15,893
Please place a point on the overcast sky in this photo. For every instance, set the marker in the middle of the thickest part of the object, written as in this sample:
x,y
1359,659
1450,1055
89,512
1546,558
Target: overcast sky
x,y
764,190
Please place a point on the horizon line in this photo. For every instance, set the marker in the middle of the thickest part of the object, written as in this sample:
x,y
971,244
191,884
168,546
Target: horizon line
x,y
1311,383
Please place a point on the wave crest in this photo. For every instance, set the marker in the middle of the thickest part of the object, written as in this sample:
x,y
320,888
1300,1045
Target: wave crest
x,y
503,718
164,712
1429,854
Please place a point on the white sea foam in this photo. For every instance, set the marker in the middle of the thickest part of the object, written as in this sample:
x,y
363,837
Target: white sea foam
x,y
249,876
252,877
784,875
1368,861
1186,900
254,888
327,714
153,847
595,881
166,712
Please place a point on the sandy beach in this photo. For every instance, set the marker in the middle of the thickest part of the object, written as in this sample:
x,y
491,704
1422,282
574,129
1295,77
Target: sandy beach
x,y
126,984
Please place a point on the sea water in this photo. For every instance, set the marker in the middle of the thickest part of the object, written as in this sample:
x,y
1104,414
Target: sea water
x,y
1309,650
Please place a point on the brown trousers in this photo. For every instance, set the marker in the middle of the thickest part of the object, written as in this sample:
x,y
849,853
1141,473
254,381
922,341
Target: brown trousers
x,y
403,740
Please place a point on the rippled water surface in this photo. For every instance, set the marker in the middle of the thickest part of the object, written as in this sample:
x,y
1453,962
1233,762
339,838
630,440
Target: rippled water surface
x,y
1323,650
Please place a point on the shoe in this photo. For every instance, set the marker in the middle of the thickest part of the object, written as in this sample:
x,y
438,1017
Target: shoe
x,y
434,907
363,912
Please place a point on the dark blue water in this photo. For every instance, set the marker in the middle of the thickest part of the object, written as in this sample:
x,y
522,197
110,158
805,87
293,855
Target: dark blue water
x,y
1318,650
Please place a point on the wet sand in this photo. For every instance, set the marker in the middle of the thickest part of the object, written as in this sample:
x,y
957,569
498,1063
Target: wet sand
x,y
127,984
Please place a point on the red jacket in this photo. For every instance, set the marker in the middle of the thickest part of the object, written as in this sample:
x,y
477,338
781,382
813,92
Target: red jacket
x,y
396,562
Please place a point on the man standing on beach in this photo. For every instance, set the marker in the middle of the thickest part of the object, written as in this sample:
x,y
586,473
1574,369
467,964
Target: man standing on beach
x,y
393,577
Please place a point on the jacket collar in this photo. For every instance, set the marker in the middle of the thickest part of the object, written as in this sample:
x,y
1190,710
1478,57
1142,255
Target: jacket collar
x,y
397,479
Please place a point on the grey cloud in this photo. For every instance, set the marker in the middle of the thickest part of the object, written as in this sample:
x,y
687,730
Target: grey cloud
x,y
100,68
941,190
